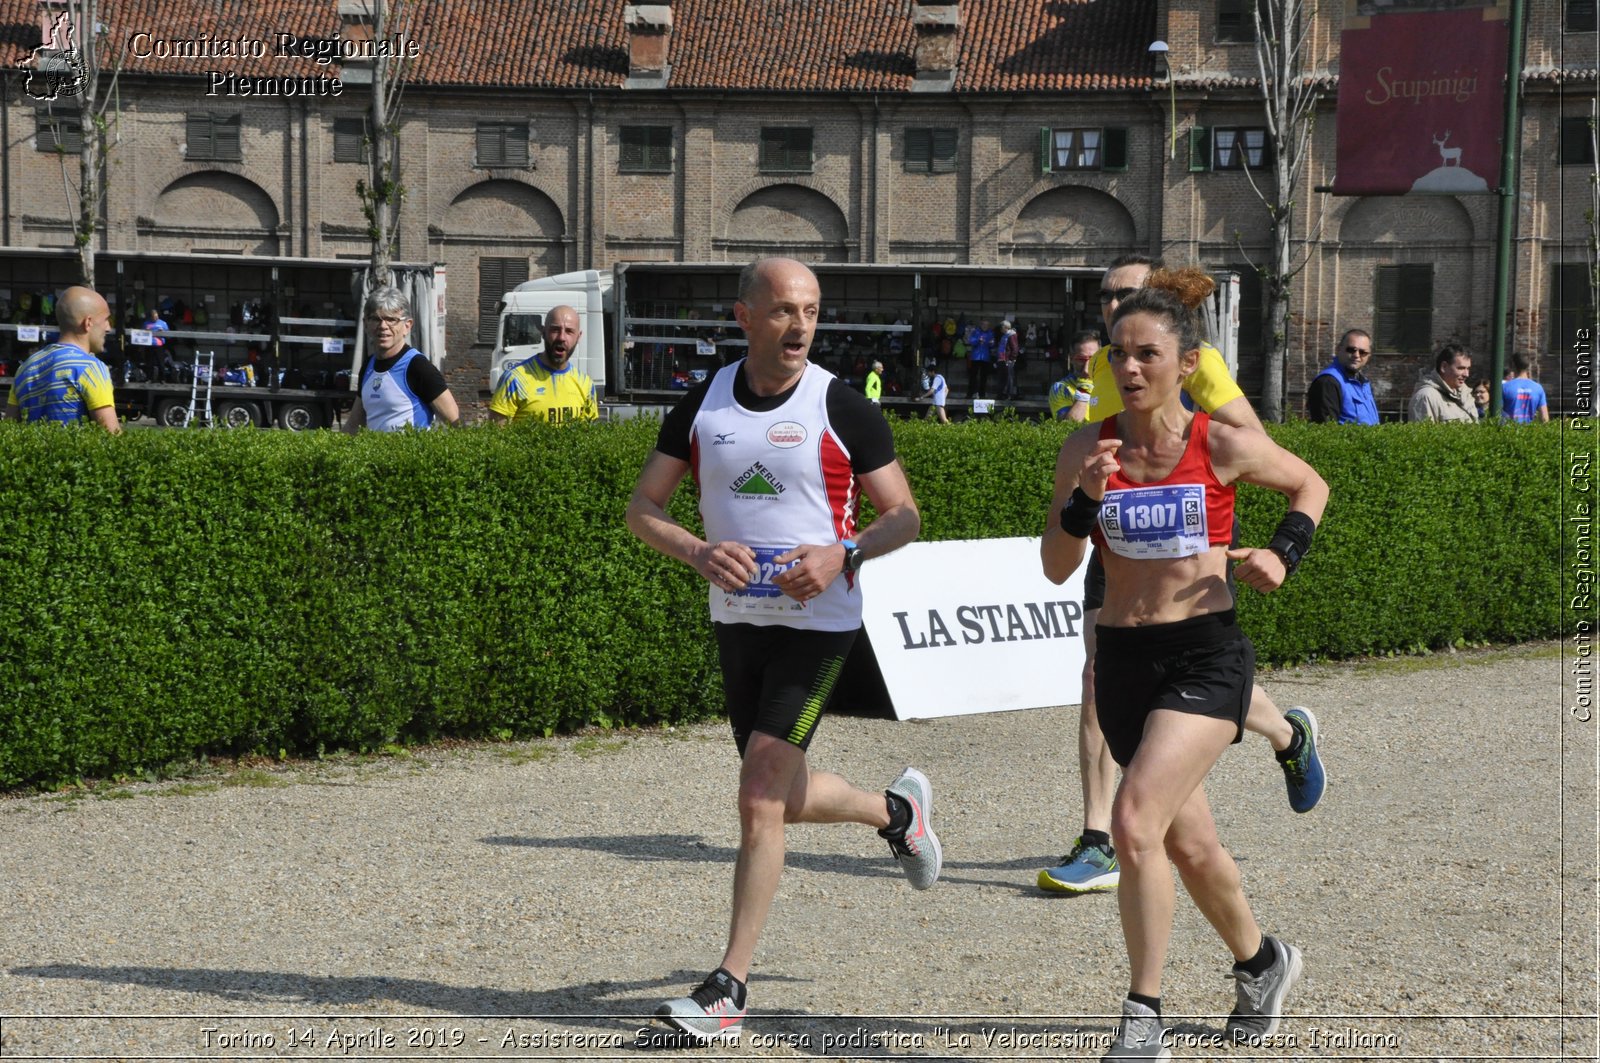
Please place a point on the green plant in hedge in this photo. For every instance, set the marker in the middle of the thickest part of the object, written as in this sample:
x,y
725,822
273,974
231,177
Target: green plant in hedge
x,y
176,594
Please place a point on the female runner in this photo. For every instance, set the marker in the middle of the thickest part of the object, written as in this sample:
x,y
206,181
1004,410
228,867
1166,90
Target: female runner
x,y
1173,672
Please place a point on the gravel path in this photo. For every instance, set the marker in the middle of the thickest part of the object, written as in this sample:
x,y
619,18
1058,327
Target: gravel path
x,y
539,899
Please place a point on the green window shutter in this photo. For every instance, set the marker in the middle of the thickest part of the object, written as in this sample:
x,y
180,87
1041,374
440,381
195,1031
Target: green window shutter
x,y
1416,301
919,150
1116,149
496,276
1045,156
349,140
1199,149
225,138
944,146
197,132
633,149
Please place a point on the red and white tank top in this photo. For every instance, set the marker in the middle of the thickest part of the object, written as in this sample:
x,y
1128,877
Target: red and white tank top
x,y
773,480
1184,513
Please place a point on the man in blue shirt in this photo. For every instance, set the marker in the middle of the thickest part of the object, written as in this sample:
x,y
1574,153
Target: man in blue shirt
x,y
1341,392
1522,399
65,381
980,355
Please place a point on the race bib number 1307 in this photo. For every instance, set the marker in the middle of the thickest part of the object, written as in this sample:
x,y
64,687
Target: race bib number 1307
x,y
1156,522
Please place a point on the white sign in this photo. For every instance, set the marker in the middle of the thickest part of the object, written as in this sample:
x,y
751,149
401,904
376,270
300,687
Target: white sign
x,y
140,337
704,347
28,333
332,346
982,406
973,626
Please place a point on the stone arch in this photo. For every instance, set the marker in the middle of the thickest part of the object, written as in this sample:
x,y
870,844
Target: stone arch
x,y
500,210
210,208
789,219
1072,224
1406,220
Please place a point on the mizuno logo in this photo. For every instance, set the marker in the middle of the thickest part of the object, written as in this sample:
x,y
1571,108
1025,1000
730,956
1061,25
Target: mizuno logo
x,y
723,439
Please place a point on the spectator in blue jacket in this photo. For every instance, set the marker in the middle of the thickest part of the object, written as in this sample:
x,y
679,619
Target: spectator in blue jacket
x,y
1341,392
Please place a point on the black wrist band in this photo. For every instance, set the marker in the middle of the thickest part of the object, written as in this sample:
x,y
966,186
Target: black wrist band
x,y
1078,516
1292,540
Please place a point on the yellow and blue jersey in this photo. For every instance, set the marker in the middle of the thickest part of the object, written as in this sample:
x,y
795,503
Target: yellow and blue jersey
x,y
532,392
1066,392
61,382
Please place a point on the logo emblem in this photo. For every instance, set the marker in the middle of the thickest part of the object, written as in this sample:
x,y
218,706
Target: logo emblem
x,y
786,434
56,67
757,482
724,439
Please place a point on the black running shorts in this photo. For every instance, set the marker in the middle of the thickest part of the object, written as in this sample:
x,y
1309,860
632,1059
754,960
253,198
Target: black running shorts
x,y
1203,665
777,680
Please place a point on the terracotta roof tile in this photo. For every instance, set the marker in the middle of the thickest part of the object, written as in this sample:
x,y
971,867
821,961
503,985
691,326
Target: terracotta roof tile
x,y
782,45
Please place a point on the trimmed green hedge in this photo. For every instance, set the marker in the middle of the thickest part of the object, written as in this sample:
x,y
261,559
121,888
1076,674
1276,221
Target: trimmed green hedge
x,y
181,593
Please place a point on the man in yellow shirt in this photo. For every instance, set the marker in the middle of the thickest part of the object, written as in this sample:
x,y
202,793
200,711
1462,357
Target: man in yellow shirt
x,y
547,387
1091,865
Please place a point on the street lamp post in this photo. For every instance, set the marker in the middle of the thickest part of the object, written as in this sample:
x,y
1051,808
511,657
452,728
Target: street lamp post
x,y
1158,52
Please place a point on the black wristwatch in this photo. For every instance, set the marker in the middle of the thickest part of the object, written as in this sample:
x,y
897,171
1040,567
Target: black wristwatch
x,y
852,556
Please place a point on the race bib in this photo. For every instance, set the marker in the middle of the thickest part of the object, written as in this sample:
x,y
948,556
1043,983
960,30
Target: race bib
x,y
761,594
1156,522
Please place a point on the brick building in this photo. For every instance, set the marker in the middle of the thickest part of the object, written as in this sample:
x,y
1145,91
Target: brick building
x,y
537,137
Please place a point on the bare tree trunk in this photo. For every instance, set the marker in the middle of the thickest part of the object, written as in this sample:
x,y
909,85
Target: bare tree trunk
x,y
383,194
90,120
1289,95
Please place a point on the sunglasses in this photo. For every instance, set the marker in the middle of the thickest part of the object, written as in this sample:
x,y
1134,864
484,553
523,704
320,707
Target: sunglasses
x,y
1356,350
1115,295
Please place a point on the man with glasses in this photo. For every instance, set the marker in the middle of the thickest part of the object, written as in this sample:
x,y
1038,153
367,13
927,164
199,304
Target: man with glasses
x,y
1090,866
548,387
1341,392
400,388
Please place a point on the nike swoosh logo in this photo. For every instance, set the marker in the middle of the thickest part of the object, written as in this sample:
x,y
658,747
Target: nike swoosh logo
x,y
1186,696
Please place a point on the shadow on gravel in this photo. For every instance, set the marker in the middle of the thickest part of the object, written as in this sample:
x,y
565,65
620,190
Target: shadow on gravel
x,y
600,1003
623,1009
693,849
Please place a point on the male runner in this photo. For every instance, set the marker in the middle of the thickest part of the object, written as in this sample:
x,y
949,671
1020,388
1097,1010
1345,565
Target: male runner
x,y
781,450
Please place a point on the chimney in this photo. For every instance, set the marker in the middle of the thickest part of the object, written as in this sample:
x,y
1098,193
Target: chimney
x,y
356,24
937,24
649,42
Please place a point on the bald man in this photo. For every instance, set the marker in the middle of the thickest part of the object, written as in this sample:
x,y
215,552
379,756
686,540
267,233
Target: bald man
x,y
66,381
547,387
780,450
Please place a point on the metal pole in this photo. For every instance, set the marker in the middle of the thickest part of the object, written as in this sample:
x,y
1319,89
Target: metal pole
x,y
1509,201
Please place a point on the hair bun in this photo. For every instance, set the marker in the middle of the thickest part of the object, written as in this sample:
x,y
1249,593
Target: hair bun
x,y
1189,285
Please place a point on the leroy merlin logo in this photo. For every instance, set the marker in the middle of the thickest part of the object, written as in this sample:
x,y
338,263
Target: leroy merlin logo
x,y
757,482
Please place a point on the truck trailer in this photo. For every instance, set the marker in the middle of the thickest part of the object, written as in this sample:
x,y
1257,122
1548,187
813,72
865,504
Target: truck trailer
x,y
651,330
279,340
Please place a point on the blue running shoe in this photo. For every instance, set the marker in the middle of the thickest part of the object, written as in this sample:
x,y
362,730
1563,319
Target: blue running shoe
x,y
1303,774
1087,869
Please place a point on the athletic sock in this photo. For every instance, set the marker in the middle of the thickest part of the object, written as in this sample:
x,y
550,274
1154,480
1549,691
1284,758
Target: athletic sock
x,y
739,988
1153,1003
899,815
1097,837
1296,744
1257,965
